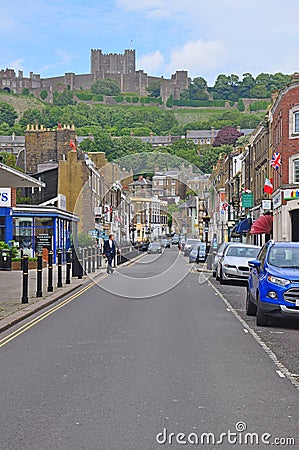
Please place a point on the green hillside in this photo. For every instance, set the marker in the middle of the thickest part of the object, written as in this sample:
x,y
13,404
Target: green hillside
x,y
21,103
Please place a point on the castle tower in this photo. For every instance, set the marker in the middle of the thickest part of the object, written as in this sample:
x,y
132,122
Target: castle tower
x,y
112,63
44,145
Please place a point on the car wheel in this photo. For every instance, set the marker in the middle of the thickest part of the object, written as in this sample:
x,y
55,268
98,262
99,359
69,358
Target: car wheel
x,y
261,318
221,279
250,306
214,274
217,275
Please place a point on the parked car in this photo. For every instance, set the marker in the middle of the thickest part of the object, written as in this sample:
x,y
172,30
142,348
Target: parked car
x,y
189,244
218,256
273,283
142,246
175,239
154,247
233,265
198,253
165,243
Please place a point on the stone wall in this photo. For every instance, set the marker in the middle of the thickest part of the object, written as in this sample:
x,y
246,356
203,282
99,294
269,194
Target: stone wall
x,y
46,145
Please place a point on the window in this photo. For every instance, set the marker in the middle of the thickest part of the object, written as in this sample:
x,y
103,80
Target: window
x,y
296,171
161,182
296,122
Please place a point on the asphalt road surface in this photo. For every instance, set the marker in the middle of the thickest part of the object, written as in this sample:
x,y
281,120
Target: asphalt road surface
x,y
150,357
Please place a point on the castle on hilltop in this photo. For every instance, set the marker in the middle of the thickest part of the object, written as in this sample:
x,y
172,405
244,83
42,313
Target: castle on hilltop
x,y
120,67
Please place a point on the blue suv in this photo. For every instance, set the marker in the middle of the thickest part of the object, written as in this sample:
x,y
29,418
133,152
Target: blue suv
x,y
273,283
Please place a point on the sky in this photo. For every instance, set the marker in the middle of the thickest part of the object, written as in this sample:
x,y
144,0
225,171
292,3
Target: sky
x,y
205,37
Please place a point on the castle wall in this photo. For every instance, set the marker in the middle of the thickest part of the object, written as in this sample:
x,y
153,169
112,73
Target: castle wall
x,y
120,67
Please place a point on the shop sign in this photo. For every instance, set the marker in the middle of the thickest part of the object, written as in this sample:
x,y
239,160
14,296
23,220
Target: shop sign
x,y
43,241
276,200
5,197
266,205
247,200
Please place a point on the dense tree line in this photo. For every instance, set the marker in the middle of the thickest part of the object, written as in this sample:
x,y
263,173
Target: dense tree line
x,y
231,87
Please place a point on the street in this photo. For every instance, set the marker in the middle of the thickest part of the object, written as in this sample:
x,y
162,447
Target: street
x,y
151,356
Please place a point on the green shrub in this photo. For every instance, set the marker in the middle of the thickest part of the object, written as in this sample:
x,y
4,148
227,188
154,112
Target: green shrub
x,y
241,106
85,96
135,99
98,98
259,105
119,99
129,99
43,95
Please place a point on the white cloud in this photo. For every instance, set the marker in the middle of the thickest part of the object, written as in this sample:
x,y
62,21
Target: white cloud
x,y
16,65
198,57
151,63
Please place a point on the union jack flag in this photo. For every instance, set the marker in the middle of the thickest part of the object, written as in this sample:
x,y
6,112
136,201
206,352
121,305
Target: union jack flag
x,y
276,161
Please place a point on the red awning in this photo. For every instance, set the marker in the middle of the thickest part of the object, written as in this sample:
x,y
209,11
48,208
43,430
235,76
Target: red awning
x,y
262,225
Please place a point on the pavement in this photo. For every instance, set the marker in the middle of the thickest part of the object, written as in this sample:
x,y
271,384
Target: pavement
x,y
12,310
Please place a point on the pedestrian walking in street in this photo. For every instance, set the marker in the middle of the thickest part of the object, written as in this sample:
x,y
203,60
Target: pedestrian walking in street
x,y
109,252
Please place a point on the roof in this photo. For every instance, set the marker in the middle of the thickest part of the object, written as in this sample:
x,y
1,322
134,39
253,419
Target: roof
x,y
10,177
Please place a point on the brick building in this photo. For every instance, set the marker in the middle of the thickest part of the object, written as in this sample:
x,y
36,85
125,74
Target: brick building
x,y
284,139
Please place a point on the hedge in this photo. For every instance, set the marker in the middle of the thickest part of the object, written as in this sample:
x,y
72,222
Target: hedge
x,y
259,105
198,103
84,96
97,97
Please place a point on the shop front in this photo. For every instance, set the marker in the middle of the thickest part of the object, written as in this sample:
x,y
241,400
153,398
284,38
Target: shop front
x,y
286,215
37,229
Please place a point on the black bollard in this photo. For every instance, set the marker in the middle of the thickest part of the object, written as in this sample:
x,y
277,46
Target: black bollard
x,y
68,266
24,298
39,280
93,259
89,259
80,259
59,268
50,271
99,257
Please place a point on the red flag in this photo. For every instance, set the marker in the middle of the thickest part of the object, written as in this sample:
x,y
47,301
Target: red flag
x,y
72,144
268,186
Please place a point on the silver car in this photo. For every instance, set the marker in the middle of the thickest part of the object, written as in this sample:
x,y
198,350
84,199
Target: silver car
x,y
233,265
189,244
218,256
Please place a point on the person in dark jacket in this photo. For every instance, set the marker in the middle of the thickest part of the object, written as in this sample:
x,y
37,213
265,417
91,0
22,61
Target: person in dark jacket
x,y
109,252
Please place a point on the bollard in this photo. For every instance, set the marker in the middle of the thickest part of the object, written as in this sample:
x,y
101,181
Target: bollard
x,y
24,298
50,271
80,259
93,259
99,258
89,259
39,280
68,266
59,268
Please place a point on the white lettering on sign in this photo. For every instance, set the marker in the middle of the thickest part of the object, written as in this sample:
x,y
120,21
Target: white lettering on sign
x,y
5,197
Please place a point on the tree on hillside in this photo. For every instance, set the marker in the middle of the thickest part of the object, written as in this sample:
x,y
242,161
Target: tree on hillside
x,y
196,90
7,114
63,98
153,88
227,135
106,86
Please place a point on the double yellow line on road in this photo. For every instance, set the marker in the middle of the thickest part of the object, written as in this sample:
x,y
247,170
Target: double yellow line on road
x,y
44,315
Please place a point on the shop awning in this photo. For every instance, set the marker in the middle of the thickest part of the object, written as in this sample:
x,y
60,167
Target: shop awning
x,y
262,225
243,226
13,178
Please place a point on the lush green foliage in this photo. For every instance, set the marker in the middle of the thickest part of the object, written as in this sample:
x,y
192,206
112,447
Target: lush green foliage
x,y
259,105
154,88
43,95
7,114
241,106
63,98
106,86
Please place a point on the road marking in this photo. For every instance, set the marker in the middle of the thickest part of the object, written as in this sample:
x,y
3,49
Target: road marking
x,y
280,374
45,314
246,331
281,367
